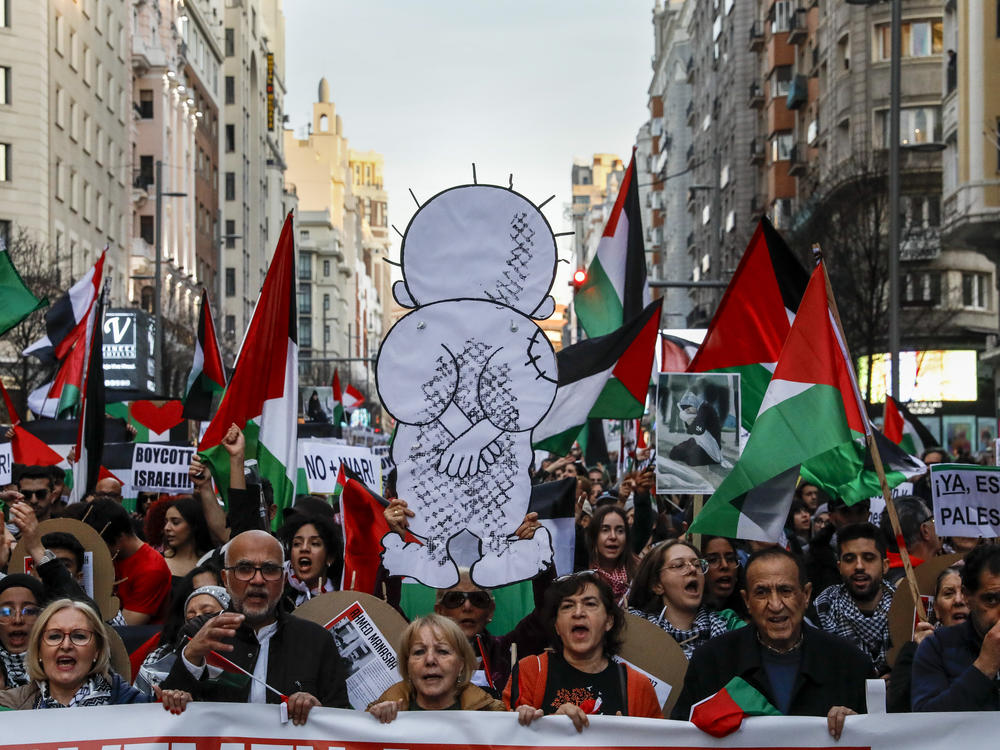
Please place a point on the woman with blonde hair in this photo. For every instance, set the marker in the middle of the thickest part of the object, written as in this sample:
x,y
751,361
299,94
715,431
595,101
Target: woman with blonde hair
x,y
436,662
69,665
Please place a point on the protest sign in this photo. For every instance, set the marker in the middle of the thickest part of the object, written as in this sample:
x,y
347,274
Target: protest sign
x,y
6,463
321,461
233,726
966,500
162,468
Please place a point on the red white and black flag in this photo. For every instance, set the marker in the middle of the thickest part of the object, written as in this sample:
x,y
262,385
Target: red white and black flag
x,y
90,426
208,376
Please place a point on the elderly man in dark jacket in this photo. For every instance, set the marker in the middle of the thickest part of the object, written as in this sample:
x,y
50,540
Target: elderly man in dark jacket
x,y
802,671
956,668
283,653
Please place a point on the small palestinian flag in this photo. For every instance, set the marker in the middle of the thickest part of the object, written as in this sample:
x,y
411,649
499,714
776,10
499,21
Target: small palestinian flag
x,y
208,376
722,714
605,377
352,398
25,447
338,399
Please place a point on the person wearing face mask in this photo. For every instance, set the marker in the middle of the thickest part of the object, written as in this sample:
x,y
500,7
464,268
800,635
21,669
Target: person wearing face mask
x,y
435,662
314,557
668,590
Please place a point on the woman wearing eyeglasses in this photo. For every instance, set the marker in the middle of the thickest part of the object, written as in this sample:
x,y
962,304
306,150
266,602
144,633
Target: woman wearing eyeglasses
x,y
581,677
723,579
68,664
668,591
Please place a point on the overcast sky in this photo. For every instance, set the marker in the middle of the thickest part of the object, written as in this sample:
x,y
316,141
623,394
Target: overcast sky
x,y
516,86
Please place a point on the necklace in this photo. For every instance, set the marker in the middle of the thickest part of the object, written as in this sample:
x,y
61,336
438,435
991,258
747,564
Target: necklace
x,y
780,651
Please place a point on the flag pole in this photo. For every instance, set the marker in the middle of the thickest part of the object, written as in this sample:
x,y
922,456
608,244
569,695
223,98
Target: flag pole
x,y
904,554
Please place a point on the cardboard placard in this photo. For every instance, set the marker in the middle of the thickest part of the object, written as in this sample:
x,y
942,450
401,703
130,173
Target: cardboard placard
x,y
162,468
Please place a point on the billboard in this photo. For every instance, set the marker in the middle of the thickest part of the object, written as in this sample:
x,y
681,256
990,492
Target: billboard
x,y
128,350
930,375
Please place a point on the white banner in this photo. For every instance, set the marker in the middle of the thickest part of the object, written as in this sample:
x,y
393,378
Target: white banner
x,y
966,499
220,726
162,468
321,461
6,463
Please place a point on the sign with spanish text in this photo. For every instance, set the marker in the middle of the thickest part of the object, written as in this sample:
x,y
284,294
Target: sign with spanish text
x,y
321,461
966,500
6,464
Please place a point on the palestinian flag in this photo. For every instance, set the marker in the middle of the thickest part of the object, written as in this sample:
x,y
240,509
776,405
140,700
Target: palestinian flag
x,y
16,300
722,714
58,398
601,378
904,429
352,398
812,406
752,321
25,447
338,399
65,320
262,395
676,353
90,425
208,376
364,526
555,504
616,290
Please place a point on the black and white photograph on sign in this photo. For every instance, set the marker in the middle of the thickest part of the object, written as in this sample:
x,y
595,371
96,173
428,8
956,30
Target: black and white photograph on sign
x,y
697,431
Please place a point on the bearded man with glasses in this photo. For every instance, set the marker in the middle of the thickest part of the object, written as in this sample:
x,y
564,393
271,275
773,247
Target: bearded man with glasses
x,y
286,655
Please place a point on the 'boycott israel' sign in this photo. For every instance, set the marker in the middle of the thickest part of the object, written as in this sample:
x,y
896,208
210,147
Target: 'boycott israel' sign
x,y
966,499
162,468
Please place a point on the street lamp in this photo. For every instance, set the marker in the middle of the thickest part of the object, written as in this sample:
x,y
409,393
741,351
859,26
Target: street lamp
x,y
158,276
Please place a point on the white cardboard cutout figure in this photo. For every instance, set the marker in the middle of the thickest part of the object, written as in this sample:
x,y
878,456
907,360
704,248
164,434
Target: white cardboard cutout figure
x,y
468,374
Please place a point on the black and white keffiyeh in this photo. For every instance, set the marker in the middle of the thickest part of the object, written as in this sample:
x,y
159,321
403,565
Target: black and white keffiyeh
x,y
94,692
838,614
706,625
13,668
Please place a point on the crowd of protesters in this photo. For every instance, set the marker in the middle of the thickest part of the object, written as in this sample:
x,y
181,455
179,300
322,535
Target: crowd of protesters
x,y
804,621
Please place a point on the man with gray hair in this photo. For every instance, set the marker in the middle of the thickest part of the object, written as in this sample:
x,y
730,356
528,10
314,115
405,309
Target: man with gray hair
x,y
283,653
916,522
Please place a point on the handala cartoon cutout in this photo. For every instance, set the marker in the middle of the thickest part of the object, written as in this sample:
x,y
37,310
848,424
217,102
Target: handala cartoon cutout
x,y
468,374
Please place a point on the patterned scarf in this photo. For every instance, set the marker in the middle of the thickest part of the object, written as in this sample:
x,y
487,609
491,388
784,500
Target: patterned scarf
x,y
706,625
13,668
94,692
617,579
839,614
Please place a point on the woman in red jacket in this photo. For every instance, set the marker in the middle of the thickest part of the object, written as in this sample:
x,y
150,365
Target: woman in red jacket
x,y
581,677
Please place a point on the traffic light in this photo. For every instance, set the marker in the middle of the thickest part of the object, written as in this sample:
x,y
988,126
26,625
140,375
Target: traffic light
x,y
579,279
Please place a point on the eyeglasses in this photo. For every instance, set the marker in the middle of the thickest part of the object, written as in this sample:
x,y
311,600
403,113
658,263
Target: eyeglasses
x,y
929,519
679,566
577,574
456,599
27,611
28,494
246,571
76,637
715,560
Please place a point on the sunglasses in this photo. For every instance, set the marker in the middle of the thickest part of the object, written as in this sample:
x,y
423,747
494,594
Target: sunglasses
x,y
577,574
456,599
28,494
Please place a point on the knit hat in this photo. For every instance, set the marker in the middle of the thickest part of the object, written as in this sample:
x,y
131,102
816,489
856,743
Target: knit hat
x,y
216,592
24,581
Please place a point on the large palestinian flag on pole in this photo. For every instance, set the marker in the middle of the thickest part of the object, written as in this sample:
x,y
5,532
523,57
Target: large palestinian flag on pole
x,y
616,290
68,316
811,407
262,396
752,321
59,397
601,378
90,424
208,376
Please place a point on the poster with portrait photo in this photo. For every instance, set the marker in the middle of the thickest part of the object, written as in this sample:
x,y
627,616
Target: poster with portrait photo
x,y
959,434
697,431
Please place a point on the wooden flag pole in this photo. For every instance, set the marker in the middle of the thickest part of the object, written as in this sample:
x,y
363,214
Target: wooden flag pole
x,y
699,501
904,554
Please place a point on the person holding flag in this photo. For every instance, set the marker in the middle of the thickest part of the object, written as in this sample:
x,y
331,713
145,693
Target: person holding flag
x,y
267,655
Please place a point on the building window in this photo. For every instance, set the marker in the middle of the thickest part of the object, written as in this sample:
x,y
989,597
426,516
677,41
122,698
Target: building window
x,y
781,81
920,38
74,116
230,233
326,268
781,16
922,288
5,162
146,229
146,104
230,282
60,35
305,301
781,146
975,291
305,334
230,90
326,303
916,125
5,83
230,138
230,326
230,42
305,266
4,225
4,14
146,175
230,186
60,176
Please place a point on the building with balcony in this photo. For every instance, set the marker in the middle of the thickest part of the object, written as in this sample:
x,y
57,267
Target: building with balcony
x,y
65,119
